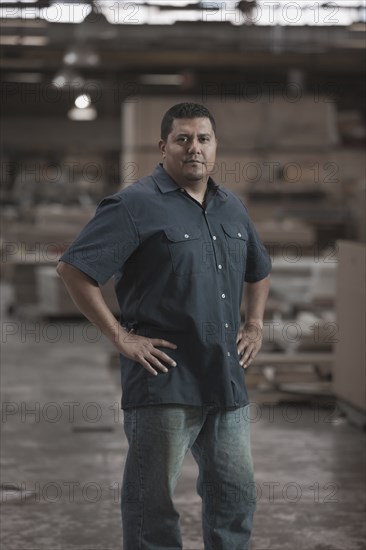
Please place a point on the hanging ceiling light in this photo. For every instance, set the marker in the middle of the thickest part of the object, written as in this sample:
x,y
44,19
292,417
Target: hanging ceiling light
x,y
81,55
82,115
247,6
68,77
83,101
83,110
95,27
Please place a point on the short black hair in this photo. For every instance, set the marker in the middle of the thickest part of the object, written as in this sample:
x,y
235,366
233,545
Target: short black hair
x,y
184,110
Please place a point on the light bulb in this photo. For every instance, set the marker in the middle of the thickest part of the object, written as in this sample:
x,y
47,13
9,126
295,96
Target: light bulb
x,y
83,101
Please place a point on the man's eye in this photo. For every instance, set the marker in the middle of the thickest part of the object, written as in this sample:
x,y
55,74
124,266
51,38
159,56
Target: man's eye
x,y
183,139
205,139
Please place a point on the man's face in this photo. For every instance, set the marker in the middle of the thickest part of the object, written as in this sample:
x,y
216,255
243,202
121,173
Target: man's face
x,y
189,152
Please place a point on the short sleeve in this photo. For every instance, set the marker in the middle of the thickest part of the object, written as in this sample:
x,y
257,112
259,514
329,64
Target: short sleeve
x,y
106,242
259,263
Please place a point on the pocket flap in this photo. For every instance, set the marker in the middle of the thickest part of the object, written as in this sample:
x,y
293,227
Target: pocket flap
x,y
236,231
178,233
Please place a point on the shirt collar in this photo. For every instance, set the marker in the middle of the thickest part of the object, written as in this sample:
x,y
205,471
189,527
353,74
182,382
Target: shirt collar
x,y
166,183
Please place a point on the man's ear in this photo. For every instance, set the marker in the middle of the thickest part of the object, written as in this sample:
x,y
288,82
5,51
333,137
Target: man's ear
x,y
162,145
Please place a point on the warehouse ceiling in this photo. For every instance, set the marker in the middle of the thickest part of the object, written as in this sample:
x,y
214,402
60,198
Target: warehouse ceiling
x,y
117,49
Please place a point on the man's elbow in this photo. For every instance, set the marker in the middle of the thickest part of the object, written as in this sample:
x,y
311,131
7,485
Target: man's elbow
x,y
69,274
63,269
59,268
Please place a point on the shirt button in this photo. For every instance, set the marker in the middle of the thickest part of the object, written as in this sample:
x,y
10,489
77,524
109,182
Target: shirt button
x,y
239,234
226,325
186,236
228,353
181,189
214,237
219,266
222,295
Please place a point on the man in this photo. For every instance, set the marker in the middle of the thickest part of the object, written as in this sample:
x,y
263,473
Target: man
x,y
180,247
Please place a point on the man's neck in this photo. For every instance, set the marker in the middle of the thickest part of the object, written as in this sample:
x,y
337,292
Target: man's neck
x,y
197,189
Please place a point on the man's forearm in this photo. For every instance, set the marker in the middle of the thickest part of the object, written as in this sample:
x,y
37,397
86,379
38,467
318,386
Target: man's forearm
x,y
87,296
255,298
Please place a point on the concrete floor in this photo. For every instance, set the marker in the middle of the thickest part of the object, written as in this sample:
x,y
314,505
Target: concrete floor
x,y
64,447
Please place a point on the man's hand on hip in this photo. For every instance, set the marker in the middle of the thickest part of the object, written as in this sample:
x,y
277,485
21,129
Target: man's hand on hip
x,y
144,350
249,342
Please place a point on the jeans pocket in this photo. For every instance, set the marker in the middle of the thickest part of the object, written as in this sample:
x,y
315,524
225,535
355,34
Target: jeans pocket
x,y
239,415
171,418
129,424
129,415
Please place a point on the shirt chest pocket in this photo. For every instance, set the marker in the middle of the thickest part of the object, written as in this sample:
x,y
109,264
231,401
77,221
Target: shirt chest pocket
x,y
187,250
235,246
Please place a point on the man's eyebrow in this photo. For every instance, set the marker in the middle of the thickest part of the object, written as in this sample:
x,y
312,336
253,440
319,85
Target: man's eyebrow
x,y
188,134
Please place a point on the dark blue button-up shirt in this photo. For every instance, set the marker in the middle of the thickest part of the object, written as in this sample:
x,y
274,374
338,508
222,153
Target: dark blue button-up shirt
x,y
179,270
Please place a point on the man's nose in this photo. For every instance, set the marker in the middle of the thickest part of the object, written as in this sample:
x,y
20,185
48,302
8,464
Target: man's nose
x,y
194,146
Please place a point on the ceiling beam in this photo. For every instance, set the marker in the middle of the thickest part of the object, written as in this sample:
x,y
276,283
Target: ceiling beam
x,y
51,59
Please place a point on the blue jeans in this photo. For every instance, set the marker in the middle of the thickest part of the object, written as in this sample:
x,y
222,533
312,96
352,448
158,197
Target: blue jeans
x,y
159,437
